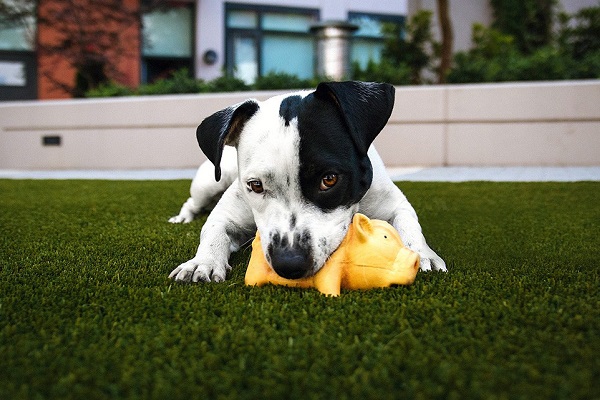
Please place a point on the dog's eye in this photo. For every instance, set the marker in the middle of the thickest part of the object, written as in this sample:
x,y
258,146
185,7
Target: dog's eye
x,y
328,181
256,186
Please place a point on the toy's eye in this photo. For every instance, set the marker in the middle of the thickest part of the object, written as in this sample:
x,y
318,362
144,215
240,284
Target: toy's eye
x,y
328,181
256,186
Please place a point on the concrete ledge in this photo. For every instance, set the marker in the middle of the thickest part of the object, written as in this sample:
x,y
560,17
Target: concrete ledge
x,y
414,174
542,123
509,124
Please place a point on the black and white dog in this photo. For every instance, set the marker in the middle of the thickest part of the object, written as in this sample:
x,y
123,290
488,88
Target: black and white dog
x,y
304,166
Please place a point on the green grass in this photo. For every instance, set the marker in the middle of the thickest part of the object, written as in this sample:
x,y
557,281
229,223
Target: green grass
x,y
87,311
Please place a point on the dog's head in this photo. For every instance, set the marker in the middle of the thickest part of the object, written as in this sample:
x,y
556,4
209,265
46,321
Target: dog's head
x,y
303,165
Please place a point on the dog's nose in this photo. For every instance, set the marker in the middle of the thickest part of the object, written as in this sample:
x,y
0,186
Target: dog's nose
x,y
291,262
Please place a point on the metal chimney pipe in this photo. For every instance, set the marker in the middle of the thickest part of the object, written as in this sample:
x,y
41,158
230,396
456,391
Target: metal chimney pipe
x,y
333,48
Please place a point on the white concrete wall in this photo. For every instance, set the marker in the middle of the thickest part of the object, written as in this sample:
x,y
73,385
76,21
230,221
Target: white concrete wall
x,y
129,133
544,123
553,124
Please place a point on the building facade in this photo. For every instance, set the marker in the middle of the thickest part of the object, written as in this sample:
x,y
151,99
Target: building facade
x,y
246,39
133,43
253,37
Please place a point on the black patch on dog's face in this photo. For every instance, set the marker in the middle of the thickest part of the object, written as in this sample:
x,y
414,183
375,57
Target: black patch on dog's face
x,y
326,147
289,108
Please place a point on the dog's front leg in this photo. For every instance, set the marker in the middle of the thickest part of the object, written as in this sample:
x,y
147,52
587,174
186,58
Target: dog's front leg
x,y
228,227
407,224
385,201
205,190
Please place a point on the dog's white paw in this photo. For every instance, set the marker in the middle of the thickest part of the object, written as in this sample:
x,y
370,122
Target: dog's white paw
x,y
178,219
431,261
200,271
184,217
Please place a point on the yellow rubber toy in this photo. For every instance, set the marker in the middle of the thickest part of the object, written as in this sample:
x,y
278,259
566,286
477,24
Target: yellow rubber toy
x,y
370,256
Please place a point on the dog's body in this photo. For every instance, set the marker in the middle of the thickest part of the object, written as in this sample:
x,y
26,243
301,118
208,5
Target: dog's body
x,y
304,166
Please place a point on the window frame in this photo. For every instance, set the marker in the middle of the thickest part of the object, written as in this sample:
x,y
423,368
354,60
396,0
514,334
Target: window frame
x,y
26,55
258,33
189,61
29,91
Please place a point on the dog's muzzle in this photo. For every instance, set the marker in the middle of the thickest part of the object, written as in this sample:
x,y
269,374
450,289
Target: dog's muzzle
x,y
290,262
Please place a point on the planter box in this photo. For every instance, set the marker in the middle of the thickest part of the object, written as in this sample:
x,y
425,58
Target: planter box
x,y
512,124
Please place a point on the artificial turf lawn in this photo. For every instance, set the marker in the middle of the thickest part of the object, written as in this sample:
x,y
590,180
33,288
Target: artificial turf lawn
x,y
87,311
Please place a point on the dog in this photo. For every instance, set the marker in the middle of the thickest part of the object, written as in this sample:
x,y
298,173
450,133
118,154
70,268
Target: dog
x,y
297,167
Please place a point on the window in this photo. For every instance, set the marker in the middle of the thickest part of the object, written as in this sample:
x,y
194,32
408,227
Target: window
x,y
12,73
167,41
368,41
260,40
17,35
17,59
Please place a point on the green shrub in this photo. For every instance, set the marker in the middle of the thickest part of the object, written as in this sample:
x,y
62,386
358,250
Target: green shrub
x,y
411,49
281,80
227,84
110,89
529,22
579,37
489,60
408,51
495,56
179,82
589,67
546,63
384,71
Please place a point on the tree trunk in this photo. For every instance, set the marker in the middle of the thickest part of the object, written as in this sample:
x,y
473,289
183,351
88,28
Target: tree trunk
x,y
447,39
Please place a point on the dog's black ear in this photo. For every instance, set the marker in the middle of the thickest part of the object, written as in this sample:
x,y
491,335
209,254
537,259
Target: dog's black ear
x,y
366,107
223,128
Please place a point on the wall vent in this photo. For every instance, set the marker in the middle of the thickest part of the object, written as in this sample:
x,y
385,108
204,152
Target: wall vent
x,y
51,140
